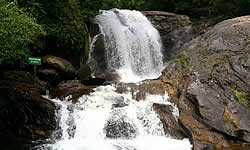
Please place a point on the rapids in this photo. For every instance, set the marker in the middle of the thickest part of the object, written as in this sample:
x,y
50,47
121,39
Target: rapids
x,y
109,120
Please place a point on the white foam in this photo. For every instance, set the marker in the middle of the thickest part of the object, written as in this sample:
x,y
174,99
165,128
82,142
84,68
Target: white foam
x,y
133,49
132,45
86,121
128,76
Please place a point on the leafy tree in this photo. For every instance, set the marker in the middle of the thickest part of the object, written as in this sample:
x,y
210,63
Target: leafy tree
x,y
18,34
230,8
65,23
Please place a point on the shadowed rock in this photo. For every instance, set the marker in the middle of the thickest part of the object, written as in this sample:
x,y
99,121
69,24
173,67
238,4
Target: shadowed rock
x,y
24,114
119,129
170,123
70,88
50,75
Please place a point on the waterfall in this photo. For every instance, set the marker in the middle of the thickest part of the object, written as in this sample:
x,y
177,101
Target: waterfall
x,y
106,119
132,46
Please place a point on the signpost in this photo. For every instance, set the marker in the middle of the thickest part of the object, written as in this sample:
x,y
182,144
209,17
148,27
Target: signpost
x,y
35,61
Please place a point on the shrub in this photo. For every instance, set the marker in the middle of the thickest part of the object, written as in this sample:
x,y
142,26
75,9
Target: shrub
x,y
18,32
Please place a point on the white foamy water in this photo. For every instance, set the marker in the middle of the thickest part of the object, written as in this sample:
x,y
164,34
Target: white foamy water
x,y
109,120
106,119
132,45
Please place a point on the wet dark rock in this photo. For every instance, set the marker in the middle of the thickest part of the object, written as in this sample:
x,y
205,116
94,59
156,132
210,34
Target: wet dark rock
x,y
65,68
18,76
139,92
94,29
74,89
175,30
109,76
120,102
24,114
84,73
112,76
119,129
49,75
12,77
94,82
170,122
154,87
210,83
97,62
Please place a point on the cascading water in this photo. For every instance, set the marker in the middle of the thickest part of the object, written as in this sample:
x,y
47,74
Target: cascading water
x,y
132,45
109,120
106,119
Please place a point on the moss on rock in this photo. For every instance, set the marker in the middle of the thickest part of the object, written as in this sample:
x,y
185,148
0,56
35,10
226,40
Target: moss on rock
x,y
240,95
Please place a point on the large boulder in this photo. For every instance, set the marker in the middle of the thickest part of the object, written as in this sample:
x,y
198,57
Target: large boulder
x,y
65,68
118,126
119,129
24,114
71,90
18,76
175,30
210,83
50,75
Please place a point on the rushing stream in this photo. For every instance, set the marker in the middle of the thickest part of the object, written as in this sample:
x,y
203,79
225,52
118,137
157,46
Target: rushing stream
x,y
109,120
106,119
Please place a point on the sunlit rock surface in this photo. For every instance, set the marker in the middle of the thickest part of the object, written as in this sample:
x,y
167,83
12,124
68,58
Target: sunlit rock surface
x,y
210,83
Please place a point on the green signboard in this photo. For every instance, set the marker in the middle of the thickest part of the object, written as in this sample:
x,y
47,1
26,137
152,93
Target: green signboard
x,y
35,60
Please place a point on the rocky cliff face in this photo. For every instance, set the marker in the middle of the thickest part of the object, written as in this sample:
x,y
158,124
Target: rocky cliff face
x,y
175,31
210,83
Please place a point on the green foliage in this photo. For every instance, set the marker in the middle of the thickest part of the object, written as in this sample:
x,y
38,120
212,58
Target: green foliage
x,y
24,22
248,41
230,8
163,5
64,22
18,32
188,103
184,60
224,9
240,95
132,4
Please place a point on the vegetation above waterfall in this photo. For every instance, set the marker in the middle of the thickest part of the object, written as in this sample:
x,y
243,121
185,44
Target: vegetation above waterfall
x,y
41,27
